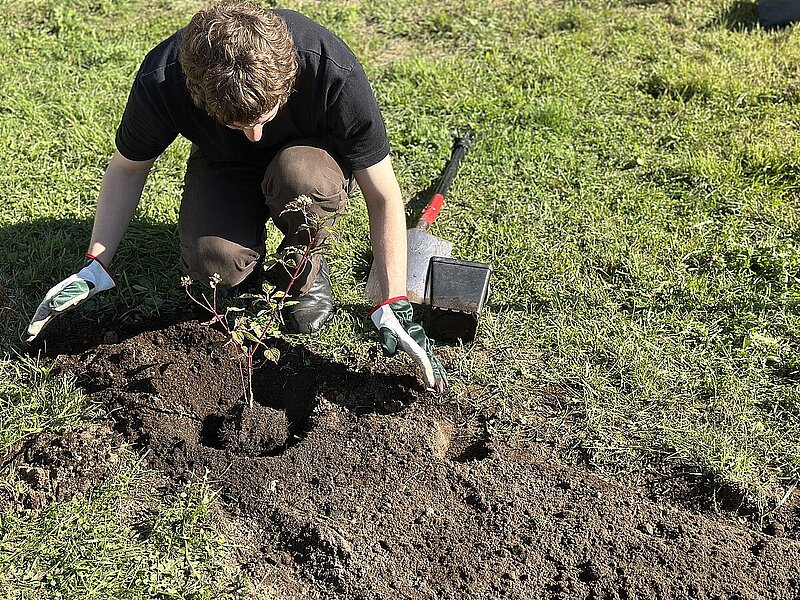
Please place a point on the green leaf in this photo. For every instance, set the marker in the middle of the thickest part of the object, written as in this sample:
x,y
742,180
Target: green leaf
x,y
249,336
272,354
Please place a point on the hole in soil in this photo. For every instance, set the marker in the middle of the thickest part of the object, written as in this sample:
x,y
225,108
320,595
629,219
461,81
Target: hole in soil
x,y
278,420
250,431
699,490
589,572
474,452
293,396
694,489
131,426
210,432
143,386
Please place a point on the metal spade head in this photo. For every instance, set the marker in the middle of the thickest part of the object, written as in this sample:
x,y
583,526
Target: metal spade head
x,y
422,247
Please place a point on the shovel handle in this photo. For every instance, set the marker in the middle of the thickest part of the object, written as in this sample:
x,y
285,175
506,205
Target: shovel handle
x,y
461,145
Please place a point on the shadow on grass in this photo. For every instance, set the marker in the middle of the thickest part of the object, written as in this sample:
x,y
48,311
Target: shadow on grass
x,y
741,15
414,209
36,254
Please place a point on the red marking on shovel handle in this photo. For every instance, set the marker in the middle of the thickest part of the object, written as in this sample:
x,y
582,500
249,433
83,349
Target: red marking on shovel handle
x,y
431,211
460,147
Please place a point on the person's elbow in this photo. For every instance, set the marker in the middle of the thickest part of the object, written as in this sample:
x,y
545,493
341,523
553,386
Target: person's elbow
x,y
127,166
379,184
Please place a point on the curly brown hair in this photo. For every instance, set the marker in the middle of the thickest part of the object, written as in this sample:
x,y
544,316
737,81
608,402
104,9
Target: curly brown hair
x,y
239,60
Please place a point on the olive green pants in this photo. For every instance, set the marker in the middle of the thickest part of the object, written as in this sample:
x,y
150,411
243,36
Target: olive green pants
x,y
225,207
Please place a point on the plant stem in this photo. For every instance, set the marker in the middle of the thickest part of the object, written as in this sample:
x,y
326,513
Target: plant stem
x,y
248,352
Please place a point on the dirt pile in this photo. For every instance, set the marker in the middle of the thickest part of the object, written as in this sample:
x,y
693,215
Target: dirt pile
x,y
248,430
356,485
56,466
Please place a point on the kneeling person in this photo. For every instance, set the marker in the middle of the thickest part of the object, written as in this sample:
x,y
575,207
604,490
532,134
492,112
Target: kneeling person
x,y
276,106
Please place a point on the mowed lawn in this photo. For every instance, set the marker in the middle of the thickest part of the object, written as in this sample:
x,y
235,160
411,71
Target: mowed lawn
x,y
634,185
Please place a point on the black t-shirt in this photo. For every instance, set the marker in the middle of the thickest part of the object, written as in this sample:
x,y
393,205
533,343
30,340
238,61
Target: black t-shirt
x,y
332,100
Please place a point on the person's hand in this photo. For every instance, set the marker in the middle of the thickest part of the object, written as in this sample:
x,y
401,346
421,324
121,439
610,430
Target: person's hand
x,y
75,289
393,319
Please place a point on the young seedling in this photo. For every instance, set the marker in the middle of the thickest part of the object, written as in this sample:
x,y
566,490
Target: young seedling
x,y
248,330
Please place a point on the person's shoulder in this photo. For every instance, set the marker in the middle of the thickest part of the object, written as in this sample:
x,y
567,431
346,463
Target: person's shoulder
x,y
162,59
298,21
315,43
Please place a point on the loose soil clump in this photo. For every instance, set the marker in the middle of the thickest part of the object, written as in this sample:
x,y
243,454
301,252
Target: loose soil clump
x,y
347,484
56,466
248,430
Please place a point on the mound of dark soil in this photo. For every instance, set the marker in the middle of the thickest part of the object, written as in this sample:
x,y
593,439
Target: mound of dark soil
x,y
56,466
249,430
349,484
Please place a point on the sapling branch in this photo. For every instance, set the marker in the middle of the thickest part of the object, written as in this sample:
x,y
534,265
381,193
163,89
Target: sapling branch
x,y
248,334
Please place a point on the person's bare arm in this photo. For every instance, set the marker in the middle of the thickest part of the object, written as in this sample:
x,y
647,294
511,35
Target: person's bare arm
x,y
393,317
387,226
120,193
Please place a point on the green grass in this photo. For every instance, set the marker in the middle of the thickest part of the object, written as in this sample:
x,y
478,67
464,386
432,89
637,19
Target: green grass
x,y
634,185
32,400
122,539
80,548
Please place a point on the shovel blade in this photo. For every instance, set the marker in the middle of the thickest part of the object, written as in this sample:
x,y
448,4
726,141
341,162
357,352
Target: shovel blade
x,y
422,246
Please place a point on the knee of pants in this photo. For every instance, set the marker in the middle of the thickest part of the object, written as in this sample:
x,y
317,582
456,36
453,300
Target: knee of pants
x,y
303,170
210,255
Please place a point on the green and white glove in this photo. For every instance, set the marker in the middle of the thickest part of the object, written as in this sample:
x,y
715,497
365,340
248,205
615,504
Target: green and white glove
x,y
393,319
74,290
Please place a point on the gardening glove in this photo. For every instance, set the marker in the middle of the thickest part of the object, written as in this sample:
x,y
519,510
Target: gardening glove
x,y
393,319
75,289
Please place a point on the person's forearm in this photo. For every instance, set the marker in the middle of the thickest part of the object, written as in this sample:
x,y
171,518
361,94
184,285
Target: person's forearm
x,y
119,196
387,227
388,235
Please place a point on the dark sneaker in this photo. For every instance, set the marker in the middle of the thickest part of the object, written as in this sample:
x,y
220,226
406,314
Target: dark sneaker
x,y
310,311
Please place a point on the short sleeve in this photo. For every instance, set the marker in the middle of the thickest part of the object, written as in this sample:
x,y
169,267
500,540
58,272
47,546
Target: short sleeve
x,y
145,130
356,123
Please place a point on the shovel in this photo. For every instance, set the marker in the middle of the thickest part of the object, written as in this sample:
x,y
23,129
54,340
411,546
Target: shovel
x,y
422,246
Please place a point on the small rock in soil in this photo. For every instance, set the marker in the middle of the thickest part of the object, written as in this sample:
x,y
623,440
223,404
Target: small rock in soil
x,y
775,528
646,528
